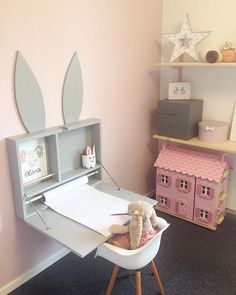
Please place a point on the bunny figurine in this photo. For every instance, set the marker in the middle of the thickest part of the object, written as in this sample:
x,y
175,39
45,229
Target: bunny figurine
x,y
89,158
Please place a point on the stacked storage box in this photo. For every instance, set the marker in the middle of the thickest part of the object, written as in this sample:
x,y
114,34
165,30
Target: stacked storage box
x,y
179,118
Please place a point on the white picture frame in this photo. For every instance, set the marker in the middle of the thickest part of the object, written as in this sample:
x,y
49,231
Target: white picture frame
x,y
233,126
179,90
33,157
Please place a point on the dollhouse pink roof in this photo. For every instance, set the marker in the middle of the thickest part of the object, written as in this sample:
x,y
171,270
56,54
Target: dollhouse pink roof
x,y
194,163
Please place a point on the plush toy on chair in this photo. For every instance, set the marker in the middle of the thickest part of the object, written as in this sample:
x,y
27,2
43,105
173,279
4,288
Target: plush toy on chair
x,y
142,225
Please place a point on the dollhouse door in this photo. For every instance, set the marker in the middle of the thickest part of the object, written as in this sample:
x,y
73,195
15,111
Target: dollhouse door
x,y
181,208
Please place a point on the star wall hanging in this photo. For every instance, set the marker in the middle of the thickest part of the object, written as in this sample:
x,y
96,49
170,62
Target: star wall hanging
x,y
186,40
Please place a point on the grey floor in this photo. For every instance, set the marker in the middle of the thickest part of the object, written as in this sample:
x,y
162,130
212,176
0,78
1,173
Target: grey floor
x,y
191,261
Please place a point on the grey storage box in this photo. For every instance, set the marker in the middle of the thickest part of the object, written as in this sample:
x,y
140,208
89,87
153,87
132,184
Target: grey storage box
x,y
179,118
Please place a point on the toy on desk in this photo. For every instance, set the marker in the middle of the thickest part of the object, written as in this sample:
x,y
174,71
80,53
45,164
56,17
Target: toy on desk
x,y
228,52
89,158
141,226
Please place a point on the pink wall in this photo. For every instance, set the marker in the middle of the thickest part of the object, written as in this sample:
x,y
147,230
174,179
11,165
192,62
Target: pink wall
x,y
118,44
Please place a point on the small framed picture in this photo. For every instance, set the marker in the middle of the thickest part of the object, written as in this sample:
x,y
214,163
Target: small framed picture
x,y
179,90
33,157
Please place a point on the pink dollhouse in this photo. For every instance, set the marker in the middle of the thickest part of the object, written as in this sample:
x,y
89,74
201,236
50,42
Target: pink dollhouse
x,y
192,184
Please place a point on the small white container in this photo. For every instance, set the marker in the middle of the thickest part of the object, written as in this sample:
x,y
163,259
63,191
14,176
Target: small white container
x,y
212,131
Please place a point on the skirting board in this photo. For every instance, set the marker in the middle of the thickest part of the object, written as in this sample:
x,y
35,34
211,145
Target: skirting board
x,y
33,271
231,211
151,194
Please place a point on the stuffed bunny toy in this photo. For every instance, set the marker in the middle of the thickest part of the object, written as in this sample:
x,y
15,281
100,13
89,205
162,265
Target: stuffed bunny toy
x,y
144,220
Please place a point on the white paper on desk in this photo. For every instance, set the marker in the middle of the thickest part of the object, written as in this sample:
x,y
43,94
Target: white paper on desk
x,y
81,202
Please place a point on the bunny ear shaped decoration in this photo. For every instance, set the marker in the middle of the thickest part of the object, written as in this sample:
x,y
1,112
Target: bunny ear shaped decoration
x,y
72,92
28,95
88,151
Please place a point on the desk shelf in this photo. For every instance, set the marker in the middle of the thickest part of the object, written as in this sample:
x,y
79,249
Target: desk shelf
x,y
40,187
227,146
70,175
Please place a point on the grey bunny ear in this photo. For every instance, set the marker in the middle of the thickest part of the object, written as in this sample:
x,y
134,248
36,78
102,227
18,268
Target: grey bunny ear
x,y
72,92
28,95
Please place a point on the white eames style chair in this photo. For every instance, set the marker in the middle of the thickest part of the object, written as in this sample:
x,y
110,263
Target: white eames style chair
x,y
134,259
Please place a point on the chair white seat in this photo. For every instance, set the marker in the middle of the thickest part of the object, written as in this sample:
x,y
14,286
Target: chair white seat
x,y
133,259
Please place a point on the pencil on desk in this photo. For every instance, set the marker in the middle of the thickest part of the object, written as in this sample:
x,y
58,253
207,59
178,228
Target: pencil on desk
x,y
116,214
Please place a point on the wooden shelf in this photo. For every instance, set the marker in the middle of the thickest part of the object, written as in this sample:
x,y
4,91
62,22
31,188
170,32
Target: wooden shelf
x,y
195,64
72,174
227,146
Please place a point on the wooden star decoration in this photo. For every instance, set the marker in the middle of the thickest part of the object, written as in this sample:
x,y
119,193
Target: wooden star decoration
x,y
186,40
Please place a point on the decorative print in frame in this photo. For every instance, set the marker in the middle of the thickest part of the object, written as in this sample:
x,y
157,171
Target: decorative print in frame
x,y
179,90
233,126
33,159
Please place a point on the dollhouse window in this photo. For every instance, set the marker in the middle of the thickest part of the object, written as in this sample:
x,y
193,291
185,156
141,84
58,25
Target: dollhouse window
x,y
183,185
164,201
204,214
164,179
205,190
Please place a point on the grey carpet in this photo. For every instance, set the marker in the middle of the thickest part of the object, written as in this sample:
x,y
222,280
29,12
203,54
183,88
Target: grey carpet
x,y
191,261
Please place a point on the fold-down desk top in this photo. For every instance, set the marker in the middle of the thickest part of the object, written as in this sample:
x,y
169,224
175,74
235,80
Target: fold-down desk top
x,y
78,238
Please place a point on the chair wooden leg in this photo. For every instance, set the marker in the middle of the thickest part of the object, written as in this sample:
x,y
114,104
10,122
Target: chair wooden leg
x,y
112,280
138,283
157,277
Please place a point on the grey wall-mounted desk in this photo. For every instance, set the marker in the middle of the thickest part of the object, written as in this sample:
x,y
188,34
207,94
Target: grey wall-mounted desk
x,y
63,148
